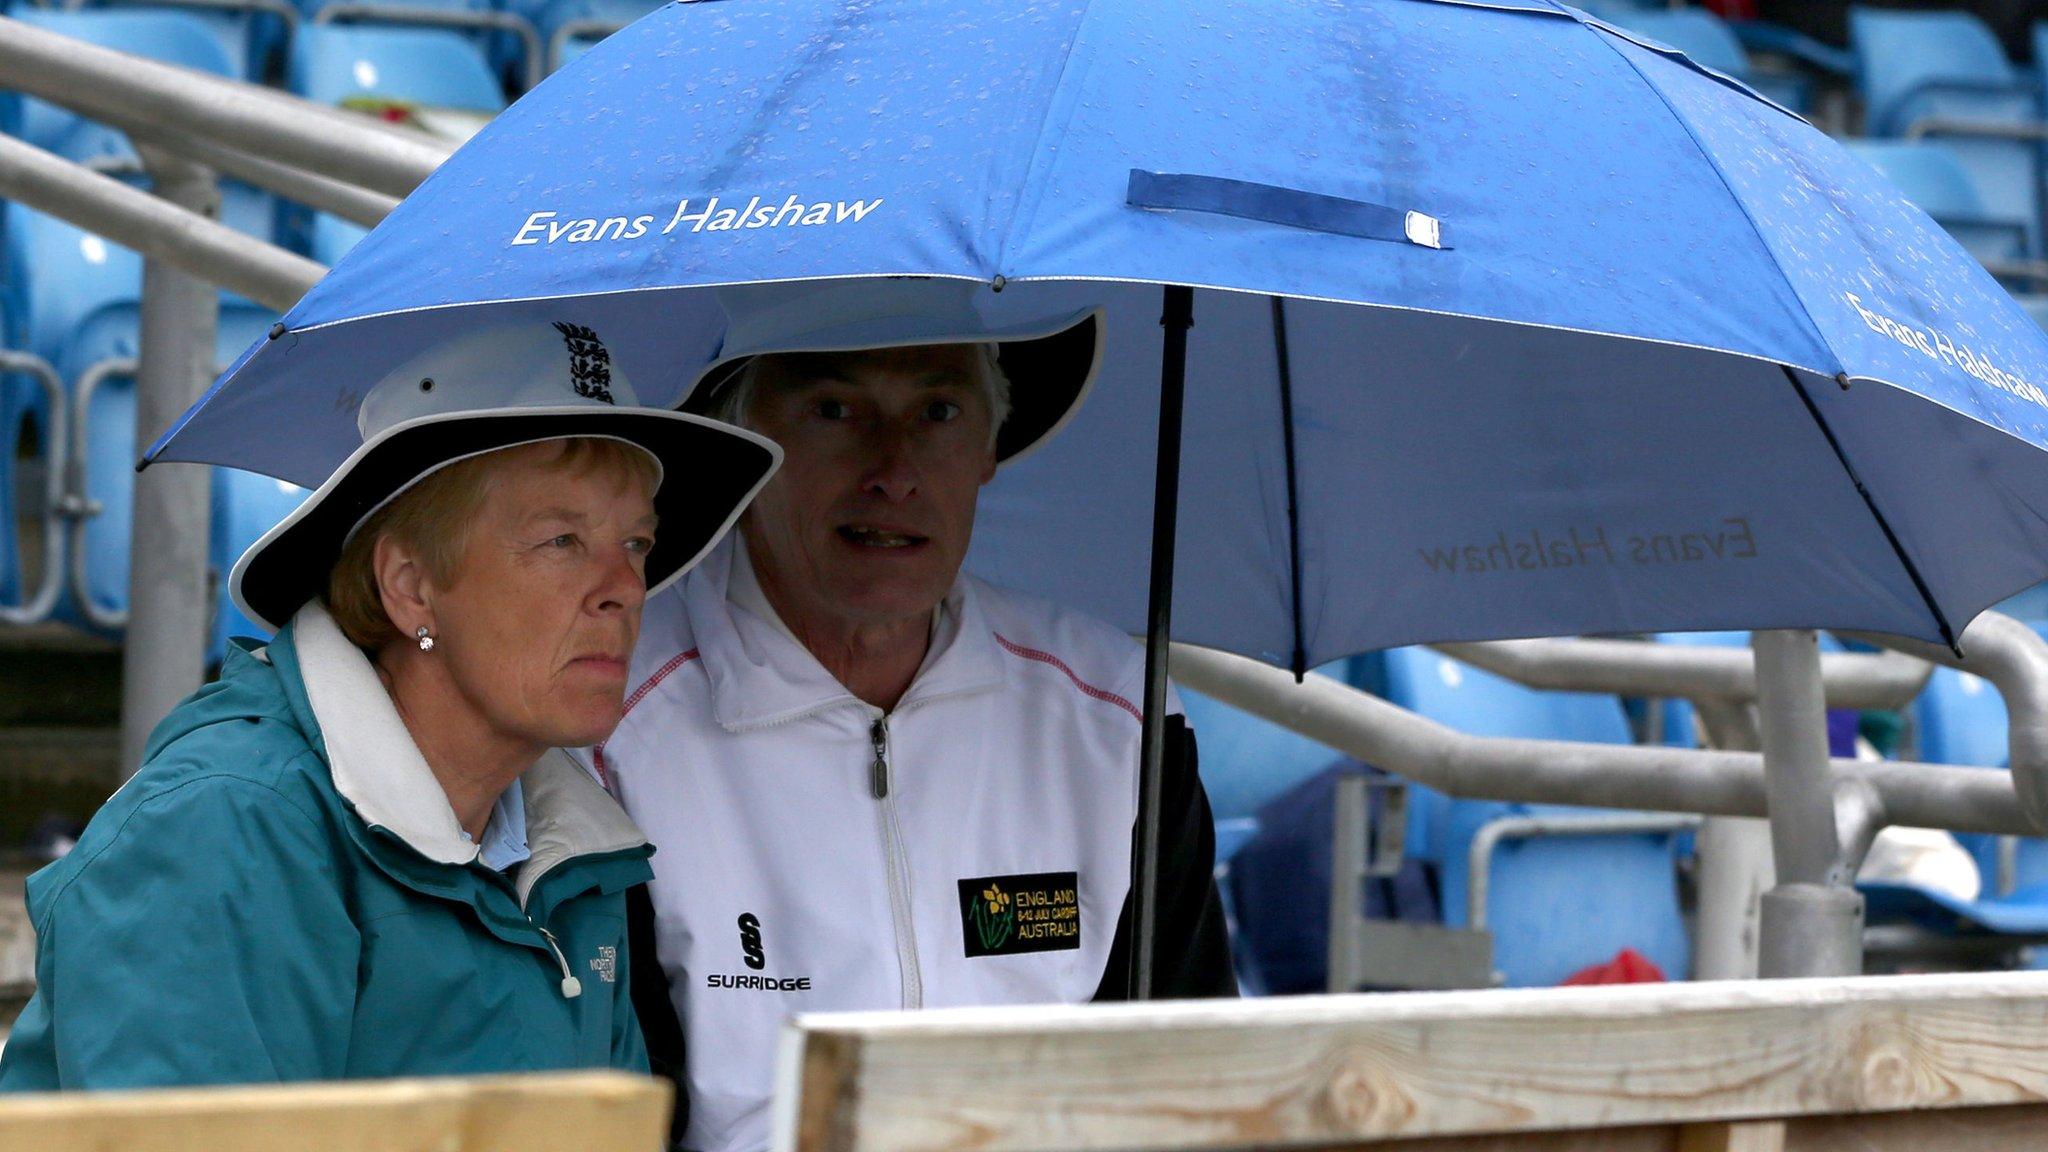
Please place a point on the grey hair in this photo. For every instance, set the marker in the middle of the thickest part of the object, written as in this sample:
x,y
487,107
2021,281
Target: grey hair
x,y
731,406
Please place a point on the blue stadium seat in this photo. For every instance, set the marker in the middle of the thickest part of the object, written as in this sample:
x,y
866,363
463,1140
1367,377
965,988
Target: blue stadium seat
x,y
245,506
340,63
24,416
1935,180
109,465
570,27
332,237
1708,41
1555,905
1246,762
506,38
79,302
57,277
244,37
1916,66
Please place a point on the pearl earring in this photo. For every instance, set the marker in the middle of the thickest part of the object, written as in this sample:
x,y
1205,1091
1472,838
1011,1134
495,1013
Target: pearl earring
x,y
426,639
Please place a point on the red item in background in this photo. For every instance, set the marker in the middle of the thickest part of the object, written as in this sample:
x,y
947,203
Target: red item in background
x,y
1628,967
1731,9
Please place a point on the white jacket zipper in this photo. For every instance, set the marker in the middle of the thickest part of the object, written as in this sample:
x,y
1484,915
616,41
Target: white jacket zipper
x,y
899,868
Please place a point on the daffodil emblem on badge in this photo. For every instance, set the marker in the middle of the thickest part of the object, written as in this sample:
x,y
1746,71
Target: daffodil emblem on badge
x,y
1008,915
993,917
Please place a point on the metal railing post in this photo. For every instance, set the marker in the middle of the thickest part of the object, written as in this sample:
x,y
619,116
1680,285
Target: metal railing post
x,y
1347,882
163,660
1812,921
1735,867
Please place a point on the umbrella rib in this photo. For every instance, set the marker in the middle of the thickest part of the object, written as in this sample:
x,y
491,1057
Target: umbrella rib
x,y
1948,635
1299,657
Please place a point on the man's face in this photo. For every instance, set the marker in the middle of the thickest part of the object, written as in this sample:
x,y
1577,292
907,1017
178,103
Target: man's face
x,y
885,453
539,619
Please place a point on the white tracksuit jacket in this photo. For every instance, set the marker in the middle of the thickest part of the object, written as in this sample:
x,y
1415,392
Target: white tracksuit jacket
x,y
971,847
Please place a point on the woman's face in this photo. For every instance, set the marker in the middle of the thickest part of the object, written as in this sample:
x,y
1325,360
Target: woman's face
x,y
539,620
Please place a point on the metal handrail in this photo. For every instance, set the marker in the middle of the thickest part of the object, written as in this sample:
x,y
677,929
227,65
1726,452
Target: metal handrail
x,y
529,38
571,29
79,506
56,450
2024,131
158,230
2014,658
1640,668
356,205
1714,783
139,95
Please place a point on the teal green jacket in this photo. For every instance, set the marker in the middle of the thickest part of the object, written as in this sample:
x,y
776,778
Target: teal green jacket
x,y
283,893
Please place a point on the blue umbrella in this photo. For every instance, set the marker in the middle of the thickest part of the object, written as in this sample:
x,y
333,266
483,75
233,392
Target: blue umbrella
x,y
1504,321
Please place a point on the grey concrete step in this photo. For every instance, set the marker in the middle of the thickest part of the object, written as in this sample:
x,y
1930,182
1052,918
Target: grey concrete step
x,y
53,772
53,675
17,949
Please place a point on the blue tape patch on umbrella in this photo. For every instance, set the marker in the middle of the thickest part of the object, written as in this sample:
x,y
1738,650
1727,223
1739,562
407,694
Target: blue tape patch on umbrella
x,y
1288,206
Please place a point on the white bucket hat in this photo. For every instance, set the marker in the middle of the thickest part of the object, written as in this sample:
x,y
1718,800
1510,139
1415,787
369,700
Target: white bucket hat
x,y
1050,361
500,388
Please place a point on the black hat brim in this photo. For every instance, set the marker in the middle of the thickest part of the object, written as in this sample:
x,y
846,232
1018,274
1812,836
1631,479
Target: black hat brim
x,y
710,471
1049,377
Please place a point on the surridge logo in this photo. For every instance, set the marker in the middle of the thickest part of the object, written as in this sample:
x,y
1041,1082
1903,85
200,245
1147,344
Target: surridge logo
x,y
756,957
750,941
994,917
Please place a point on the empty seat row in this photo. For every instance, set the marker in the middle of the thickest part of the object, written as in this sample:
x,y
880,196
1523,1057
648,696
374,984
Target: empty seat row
x,y
1943,75
1709,41
1555,902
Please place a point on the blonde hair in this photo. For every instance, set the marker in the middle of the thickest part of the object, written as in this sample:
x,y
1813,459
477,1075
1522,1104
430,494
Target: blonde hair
x,y
433,519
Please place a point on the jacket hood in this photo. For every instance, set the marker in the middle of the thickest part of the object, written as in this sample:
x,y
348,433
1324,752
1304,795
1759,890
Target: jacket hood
x,y
251,685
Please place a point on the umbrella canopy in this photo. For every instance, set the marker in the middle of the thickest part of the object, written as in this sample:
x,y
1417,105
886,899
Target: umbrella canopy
x,y
1506,323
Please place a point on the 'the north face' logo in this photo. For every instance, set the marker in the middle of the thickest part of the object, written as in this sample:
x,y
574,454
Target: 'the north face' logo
x,y
750,941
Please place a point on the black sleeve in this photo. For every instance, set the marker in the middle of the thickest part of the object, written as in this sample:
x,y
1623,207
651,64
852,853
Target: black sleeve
x,y
1191,959
658,1023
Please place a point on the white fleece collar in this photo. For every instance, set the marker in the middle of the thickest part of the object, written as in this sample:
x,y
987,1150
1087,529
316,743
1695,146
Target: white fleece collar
x,y
375,763
378,769
761,674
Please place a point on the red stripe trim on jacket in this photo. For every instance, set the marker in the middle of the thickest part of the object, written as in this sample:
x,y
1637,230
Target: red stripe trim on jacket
x,y
635,697
1086,688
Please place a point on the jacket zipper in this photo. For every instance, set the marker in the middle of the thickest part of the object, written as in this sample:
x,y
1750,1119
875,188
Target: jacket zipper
x,y
899,868
571,986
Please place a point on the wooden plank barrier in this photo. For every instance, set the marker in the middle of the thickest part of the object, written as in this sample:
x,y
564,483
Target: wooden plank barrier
x,y
1878,1064
557,1112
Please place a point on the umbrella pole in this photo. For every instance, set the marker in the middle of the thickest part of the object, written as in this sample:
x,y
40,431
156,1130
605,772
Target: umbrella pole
x,y
1177,316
